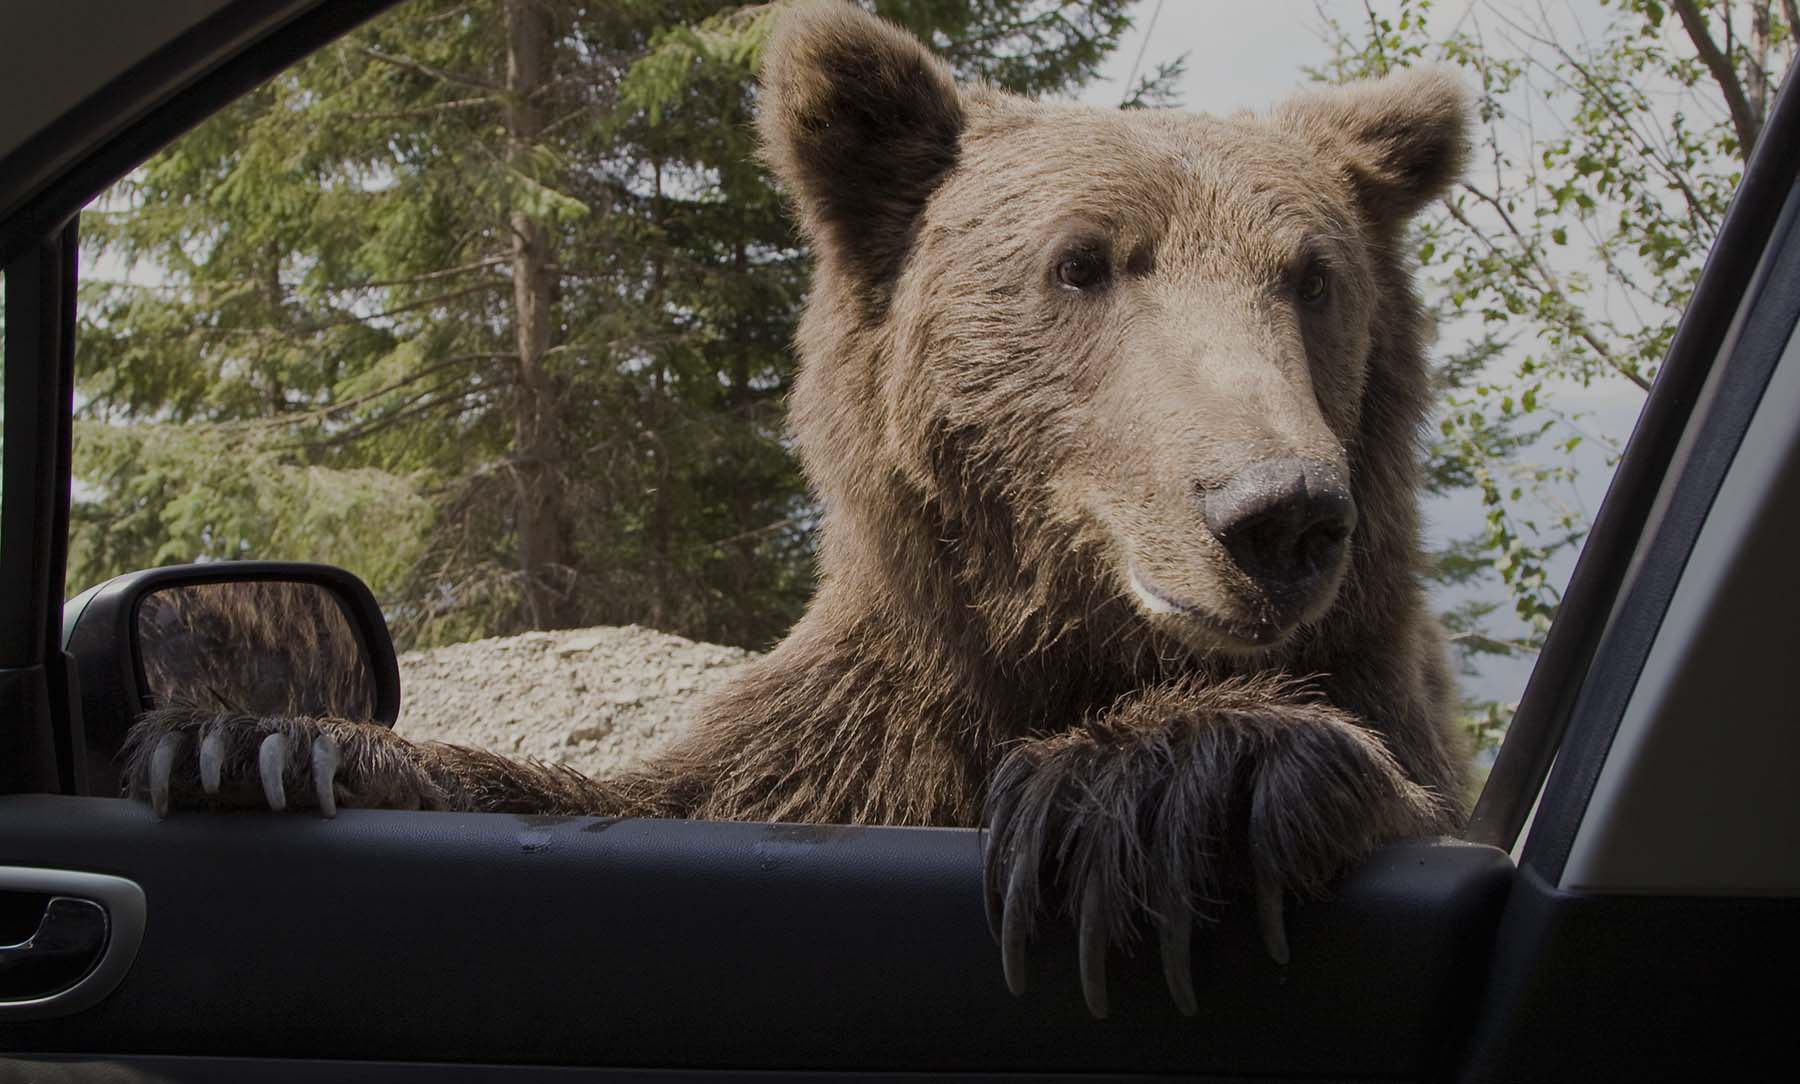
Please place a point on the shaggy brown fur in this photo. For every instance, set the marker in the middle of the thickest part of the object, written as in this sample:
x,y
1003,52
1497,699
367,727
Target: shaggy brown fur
x,y
1042,339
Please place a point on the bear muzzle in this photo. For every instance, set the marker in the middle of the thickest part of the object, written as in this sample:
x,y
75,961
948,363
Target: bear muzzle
x,y
1286,523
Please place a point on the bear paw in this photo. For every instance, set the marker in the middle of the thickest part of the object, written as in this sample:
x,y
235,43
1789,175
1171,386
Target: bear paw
x,y
191,758
1129,820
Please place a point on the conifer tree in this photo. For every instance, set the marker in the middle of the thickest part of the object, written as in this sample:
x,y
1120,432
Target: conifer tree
x,y
490,302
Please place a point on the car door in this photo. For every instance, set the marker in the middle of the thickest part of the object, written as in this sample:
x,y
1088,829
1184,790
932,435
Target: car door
x,y
398,945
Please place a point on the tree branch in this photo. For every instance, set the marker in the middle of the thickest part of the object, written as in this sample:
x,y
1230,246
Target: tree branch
x,y
414,66
280,421
1599,89
1375,38
413,280
1742,117
416,111
1548,281
421,403
423,302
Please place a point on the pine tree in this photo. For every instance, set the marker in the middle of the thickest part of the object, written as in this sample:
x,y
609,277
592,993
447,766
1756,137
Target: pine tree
x,y
491,303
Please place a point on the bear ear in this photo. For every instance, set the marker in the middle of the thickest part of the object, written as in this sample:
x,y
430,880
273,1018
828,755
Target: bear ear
x,y
861,124
1403,138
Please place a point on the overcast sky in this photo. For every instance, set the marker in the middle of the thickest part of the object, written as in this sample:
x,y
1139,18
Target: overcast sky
x,y
1242,53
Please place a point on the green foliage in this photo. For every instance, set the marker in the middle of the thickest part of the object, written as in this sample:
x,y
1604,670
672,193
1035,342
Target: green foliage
x,y
183,493
307,337
1605,158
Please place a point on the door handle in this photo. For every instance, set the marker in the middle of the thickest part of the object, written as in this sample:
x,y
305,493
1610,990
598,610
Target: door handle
x,y
66,946
85,941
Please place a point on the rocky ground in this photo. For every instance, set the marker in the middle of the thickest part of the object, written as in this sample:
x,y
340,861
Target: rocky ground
x,y
594,699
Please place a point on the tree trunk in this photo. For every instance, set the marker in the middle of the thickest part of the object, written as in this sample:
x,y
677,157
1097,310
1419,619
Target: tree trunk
x,y
662,515
537,446
662,509
743,497
1723,70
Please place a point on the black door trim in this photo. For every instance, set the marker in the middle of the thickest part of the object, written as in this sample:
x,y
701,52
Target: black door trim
x,y
39,726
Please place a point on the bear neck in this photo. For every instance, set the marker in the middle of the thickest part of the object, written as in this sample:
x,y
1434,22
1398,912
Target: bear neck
x,y
1016,625
946,623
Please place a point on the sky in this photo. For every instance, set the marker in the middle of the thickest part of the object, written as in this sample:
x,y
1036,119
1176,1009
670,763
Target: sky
x,y
1240,54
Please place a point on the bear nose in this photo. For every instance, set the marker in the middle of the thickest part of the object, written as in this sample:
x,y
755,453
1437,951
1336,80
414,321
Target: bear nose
x,y
1285,522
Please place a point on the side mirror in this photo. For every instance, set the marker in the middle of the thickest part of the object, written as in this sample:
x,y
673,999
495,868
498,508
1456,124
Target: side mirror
x,y
258,637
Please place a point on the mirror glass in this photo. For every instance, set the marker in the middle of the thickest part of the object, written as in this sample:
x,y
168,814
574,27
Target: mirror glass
x,y
254,646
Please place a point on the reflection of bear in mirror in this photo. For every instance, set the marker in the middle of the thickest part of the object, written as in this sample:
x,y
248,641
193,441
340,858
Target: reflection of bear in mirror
x,y
254,647
1115,420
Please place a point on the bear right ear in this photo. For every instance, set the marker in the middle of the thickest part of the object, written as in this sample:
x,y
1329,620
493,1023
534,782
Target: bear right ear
x,y
861,124
1402,138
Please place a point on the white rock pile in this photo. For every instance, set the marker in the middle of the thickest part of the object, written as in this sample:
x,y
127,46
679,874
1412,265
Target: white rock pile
x,y
595,699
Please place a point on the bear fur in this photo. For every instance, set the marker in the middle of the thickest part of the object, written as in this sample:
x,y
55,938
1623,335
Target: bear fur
x,y
1043,340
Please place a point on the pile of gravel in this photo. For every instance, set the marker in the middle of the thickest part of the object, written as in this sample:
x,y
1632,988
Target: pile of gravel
x,y
595,699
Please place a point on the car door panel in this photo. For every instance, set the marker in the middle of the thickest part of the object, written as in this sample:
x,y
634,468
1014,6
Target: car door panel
x,y
1590,987
502,939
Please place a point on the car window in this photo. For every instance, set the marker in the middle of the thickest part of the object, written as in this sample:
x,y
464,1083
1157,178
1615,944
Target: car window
x,y
513,342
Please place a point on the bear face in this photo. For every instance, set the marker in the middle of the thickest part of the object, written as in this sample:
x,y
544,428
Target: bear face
x,y
1130,350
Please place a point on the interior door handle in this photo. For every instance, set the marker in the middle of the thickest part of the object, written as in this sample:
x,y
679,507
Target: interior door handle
x,y
85,941
66,946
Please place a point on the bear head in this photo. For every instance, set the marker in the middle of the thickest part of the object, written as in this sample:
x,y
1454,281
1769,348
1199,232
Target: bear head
x,y
1060,358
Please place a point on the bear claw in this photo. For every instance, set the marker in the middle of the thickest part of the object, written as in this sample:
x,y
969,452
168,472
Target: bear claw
x,y
1176,932
212,760
1015,935
324,767
1270,919
1092,953
162,765
271,756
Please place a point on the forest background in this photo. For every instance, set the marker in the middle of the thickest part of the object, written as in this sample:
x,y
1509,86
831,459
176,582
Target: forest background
x,y
491,303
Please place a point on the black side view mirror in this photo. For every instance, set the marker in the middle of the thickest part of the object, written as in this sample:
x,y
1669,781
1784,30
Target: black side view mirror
x,y
259,637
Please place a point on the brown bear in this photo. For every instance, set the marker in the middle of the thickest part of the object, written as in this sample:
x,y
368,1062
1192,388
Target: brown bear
x,y
1114,417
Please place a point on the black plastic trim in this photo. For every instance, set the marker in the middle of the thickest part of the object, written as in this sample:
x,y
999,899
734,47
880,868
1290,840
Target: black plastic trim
x,y
78,1069
40,731
122,903
1548,704
1639,988
48,179
502,940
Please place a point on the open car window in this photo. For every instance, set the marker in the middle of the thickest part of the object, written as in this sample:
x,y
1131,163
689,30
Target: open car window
x,y
358,405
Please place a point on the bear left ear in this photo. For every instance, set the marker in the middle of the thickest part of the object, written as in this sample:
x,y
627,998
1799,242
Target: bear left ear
x,y
1403,138
861,124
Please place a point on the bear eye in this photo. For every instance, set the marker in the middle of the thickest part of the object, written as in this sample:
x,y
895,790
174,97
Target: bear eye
x,y
1085,269
1313,284
1142,261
